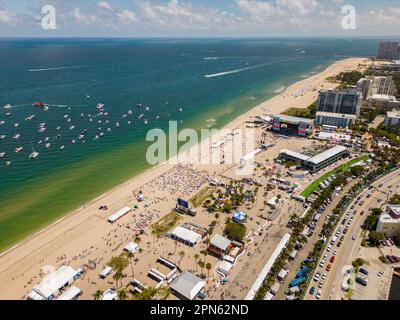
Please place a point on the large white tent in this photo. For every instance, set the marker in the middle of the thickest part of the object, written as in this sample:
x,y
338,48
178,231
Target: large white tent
x,y
186,235
119,214
70,294
55,281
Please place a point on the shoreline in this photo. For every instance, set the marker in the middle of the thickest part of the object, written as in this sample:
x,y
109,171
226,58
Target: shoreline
x,y
88,215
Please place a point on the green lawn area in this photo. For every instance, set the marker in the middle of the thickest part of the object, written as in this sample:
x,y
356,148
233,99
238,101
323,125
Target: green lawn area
x,y
344,167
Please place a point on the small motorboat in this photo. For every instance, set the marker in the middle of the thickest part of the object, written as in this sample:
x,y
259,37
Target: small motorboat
x,y
19,149
34,155
2,155
39,104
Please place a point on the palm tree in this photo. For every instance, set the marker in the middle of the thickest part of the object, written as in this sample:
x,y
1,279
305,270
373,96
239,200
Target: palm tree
x,y
176,245
152,293
196,258
208,267
122,295
201,264
118,276
181,255
98,295
130,255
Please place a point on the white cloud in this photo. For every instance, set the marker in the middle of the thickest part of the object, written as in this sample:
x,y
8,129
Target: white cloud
x,y
105,5
127,16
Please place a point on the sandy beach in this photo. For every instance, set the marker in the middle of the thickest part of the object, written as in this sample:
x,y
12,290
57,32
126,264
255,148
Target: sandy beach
x,y
85,234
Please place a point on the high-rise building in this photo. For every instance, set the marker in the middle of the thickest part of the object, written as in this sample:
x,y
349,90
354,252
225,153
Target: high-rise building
x,y
389,50
338,107
378,92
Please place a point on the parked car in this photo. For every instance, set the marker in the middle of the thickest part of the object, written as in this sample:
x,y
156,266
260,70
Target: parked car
x,y
312,290
319,294
328,267
329,248
332,259
339,244
361,281
354,237
324,276
317,276
321,284
364,271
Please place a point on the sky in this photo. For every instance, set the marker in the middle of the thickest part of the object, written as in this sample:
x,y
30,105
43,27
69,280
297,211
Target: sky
x,y
201,18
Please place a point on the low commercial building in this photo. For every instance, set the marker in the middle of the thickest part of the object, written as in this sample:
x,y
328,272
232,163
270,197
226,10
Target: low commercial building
x,y
187,285
392,118
335,119
389,221
219,246
318,162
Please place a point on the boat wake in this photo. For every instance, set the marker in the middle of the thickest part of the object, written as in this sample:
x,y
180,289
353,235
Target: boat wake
x,y
52,69
220,74
210,58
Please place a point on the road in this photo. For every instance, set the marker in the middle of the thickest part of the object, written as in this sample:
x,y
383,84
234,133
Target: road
x,y
331,288
295,265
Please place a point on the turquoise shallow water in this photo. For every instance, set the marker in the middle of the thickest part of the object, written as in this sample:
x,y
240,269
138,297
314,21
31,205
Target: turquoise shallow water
x,y
207,79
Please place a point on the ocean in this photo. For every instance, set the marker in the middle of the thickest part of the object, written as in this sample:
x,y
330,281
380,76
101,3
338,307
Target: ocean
x,y
197,82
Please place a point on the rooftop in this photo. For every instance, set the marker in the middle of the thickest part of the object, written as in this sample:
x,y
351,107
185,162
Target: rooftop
x,y
188,285
295,120
393,114
327,154
336,115
220,242
295,154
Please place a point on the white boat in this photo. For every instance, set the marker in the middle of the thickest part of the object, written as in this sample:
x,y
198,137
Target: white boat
x,y
8,114
101,134
139,105
180,109
65,116
146,122
69,120
42,130
16,125
158,117
124,115
2,137
47,139
47,145
73,141
8,163
117,124
2,122
28,118
34,155
16,136
45,108
58,128
96,137
100,106
42,125
7,106
109,129
2,155
62,147
141,116
40,142
129,122
19,149
71,127
81,136
147,108
130,112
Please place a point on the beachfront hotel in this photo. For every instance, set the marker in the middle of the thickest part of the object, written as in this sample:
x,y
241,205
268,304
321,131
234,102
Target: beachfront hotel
x,y
338,108
378,92
389,50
